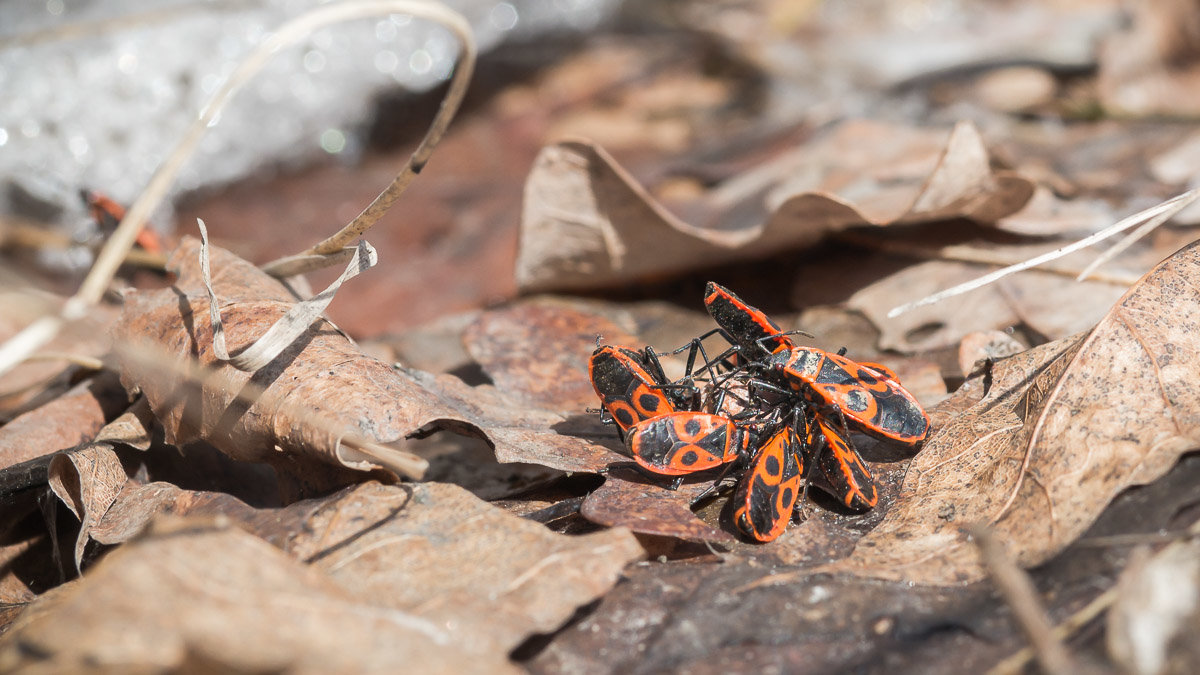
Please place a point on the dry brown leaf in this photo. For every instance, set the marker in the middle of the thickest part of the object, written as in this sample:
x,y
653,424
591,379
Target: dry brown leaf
x,y
63,423
313,401
324,375
40,380
539,351
629,499
425,558
230,601
1064,428
586,222
1049,303
87,480
417,549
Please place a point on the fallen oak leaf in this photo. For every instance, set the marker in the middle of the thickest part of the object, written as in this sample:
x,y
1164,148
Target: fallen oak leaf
x,y
586,222
87,479
219,597
250,415
1063,429
415,549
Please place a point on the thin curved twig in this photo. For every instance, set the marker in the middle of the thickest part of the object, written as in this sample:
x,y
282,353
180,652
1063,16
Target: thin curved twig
x,y
437,128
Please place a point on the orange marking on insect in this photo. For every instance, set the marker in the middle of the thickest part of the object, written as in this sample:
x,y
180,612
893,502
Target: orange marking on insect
x,y
768,491
851,477
684,442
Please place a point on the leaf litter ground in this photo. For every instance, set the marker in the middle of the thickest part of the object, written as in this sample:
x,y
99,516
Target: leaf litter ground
x,y
827,225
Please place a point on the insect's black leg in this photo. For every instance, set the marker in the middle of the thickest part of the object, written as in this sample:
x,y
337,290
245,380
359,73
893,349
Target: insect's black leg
x,y
675,483
714,487
841,352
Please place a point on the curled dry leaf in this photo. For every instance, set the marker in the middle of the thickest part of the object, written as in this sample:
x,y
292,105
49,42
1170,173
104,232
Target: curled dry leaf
x,y
586,222
417,549
323,377
216,600
312,402
1064,428
87,480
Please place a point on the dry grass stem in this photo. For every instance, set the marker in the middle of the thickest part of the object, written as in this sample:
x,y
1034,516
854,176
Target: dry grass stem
x,y
1018,590
1151,217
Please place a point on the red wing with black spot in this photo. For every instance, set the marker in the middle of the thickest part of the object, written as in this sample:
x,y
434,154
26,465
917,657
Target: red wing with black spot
x,y
768,491
848,476
752,330
685,442
626,389
872,402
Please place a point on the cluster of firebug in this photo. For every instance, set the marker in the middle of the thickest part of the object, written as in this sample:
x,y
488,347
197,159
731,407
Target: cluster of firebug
x,y
766,406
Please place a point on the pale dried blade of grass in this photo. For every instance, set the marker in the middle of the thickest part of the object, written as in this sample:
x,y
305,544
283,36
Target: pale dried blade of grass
x,y
1125,243
289,326
1156,214
296,265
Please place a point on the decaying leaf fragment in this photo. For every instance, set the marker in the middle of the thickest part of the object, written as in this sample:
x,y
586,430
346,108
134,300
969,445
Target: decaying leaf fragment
x,y
417,549
312,401
586,222
627,500
61,424
225,601
1063,429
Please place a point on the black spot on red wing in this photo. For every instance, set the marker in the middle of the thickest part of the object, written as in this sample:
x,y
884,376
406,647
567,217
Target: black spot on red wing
x,y
857,400
786,497
689,458
623,417
692,427
649,402
772,465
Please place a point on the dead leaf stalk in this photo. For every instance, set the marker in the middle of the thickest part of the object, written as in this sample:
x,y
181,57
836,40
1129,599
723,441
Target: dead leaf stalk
x,y
1018,590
